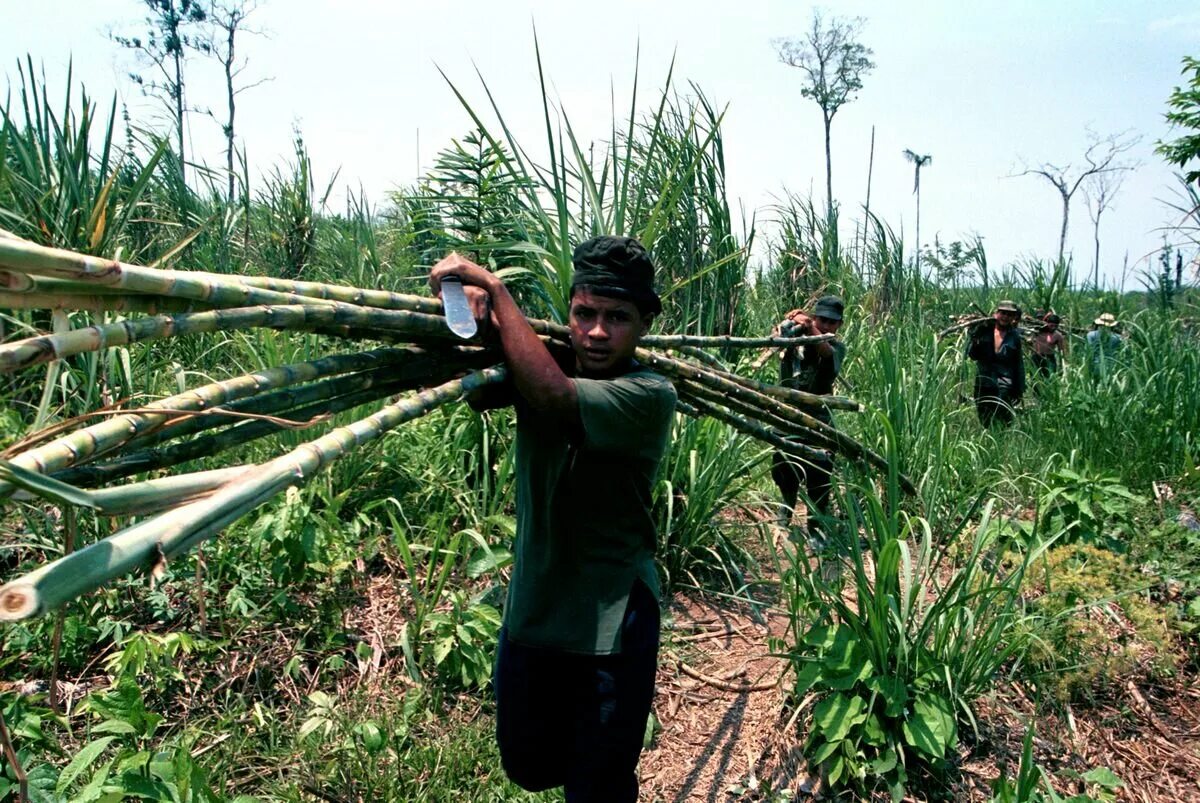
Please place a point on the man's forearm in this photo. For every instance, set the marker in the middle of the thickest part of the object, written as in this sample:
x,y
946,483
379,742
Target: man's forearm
x,y
535,373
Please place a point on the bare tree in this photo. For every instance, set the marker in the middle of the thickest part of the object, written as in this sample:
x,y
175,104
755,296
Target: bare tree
x,y
918,162
834,64
1099,192
227,19
1102,156
170,25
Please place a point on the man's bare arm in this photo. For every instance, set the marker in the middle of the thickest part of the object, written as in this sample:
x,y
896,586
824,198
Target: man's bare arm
x,y
535,373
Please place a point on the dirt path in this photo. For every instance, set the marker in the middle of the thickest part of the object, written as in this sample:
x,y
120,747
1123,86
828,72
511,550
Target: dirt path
x,y
719,702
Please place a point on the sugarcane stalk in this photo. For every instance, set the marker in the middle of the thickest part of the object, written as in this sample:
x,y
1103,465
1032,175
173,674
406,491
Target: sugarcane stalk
x,y
728,341
749,388
89,442
152,305
961,325
698,408
164,457
792,396
25,257
280,402
350,295
155,540
421,367
149,496
700,355
747,410
33,350
846,445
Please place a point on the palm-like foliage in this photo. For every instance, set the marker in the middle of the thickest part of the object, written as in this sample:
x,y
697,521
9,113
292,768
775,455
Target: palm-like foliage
x,y
918,162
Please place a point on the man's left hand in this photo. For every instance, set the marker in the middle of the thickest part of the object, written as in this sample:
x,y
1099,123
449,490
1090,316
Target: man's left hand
x,y
478,284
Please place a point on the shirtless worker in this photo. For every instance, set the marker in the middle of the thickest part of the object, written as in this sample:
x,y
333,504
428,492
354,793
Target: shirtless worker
x,y
1048,346
575,664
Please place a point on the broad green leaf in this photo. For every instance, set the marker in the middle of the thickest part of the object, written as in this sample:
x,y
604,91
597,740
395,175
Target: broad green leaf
x,y
442,648
114,726
808,677
485,561
82,760
837,714
885,762
893,691
1105,777
836,768
825,751
931,726
873,733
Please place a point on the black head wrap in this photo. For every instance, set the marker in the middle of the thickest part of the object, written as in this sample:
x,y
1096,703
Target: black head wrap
x,y
618,267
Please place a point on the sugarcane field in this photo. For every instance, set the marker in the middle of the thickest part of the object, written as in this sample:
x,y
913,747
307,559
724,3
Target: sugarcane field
x,y
554,402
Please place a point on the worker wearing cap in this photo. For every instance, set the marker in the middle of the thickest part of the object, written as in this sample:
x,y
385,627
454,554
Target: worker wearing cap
x,y
1048,346
1104,343
995,346
812,369
576,659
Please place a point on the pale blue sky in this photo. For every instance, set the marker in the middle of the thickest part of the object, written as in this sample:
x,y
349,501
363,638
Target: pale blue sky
x,y
979,86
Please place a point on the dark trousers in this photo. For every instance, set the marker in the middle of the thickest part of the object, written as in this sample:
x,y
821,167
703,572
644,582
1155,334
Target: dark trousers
x,y
564,719
817,476
994,411
1045,364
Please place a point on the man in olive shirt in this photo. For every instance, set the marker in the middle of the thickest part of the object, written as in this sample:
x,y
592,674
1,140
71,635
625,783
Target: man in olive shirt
x,y
812,369
574,675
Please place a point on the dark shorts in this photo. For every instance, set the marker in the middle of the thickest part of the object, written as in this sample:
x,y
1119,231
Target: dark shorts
x,y
578,721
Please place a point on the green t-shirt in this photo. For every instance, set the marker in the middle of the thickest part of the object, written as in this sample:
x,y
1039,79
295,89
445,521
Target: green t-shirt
x,y
585,532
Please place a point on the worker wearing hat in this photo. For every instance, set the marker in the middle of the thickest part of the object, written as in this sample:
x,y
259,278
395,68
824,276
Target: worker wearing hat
x,y
577,654
995,346
812,369
1104,344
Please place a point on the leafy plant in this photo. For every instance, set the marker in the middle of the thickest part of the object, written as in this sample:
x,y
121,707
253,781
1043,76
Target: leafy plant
x,y
894,671
1033,785
462,640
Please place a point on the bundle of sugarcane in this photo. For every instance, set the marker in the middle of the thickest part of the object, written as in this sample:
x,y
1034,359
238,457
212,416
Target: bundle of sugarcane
x,y
75,462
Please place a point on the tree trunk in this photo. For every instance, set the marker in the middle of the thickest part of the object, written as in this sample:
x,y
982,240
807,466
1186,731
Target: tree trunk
x,y
229,125
867,208
1096,266
178,93
1062,235
828,171
918,183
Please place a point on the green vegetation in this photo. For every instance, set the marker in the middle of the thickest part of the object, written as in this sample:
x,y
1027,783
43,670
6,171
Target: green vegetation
x,y
337,639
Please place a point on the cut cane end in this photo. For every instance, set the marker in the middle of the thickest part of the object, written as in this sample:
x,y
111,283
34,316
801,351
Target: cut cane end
x,y
17,601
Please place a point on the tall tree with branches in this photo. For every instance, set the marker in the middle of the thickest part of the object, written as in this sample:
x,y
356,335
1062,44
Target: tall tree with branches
x,y
171,32
1099,192
918,162
833,64
227,19
1103,155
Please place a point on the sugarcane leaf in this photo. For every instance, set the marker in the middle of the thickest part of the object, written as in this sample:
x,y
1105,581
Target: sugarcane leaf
x,y
46,487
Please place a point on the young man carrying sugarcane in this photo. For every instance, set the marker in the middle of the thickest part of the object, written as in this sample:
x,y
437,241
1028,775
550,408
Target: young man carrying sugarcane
x,y
812,369
995,346
575,666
